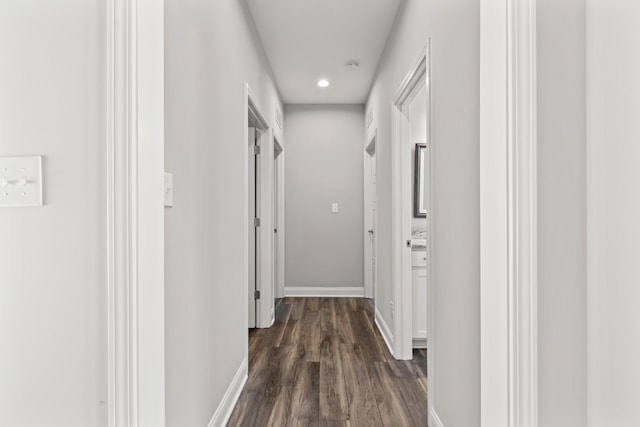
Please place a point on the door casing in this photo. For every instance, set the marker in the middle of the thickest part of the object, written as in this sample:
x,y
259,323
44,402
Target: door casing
x,y
265,312
417,78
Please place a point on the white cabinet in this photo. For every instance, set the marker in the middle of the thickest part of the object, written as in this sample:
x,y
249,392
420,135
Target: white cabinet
x,y
419,297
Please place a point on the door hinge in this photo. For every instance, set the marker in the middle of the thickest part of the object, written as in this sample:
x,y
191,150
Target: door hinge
x,y
275,230
256,222
256,149
256,294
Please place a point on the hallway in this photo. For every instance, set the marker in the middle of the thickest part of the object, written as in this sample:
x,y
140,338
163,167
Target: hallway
x,y
324,363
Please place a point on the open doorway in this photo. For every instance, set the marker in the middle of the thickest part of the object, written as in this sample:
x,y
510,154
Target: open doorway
x,y
412,216
371,218
418,150
254,217
278,223
259,187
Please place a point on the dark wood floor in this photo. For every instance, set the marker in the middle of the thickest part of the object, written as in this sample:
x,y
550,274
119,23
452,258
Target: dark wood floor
x,y
324,363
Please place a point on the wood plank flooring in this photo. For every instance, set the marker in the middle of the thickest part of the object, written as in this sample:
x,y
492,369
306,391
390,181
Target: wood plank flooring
x,y
324,364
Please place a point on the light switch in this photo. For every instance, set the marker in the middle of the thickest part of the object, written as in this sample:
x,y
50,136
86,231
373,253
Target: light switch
x,y
168,189
334,208
20,181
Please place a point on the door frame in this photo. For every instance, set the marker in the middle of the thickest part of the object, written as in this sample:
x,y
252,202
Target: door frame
x,y
279,185
370,146
418,77
265,313
135,214
508,214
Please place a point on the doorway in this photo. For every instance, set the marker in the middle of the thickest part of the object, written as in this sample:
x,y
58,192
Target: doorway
x,y
418,151
405,215
371,218
278,223
254,217
259,216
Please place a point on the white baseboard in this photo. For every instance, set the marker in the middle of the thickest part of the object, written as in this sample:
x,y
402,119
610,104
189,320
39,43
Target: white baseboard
x,y
384,331
231,396
434,419
324,291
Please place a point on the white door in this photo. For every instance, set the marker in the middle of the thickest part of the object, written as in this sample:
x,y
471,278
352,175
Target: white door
x,y
253,235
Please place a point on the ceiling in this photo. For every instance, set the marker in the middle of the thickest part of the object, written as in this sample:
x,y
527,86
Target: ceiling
x,y
309,40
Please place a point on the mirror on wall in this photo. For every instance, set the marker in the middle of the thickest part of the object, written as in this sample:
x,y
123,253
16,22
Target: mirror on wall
x,y
419,199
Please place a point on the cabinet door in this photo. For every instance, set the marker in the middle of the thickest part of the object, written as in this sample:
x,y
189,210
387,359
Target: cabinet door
x,y
419,300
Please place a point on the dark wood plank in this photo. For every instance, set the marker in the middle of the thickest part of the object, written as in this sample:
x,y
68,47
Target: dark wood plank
x,y
281,411
244,414
411,393
343,307
392,409
305,398
311,336
364,335
363,408
333,393
328,321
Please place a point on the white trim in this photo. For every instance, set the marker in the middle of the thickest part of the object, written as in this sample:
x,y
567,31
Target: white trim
x,y
508,183
385,331
231,396
324,291
135,214
434,419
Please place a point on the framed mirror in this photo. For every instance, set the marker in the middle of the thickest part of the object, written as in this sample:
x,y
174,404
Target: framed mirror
x,y
419,199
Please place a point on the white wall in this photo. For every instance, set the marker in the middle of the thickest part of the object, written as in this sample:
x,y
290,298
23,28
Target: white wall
x,y
324,166
211,51
561,213
613,209
53,366
453,26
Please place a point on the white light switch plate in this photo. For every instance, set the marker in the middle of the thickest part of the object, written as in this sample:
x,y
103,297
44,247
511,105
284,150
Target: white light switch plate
x,y
334,208
168,189
20,181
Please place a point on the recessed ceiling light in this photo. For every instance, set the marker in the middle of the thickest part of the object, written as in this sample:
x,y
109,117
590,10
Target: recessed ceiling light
x,y
323,83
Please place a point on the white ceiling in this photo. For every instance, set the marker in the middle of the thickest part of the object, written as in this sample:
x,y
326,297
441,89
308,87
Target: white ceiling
x,y
308,40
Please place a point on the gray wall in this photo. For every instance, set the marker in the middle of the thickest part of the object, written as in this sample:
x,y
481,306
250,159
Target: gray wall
x,y
53,275
613,210
211,51
324,165
453,26
561,213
